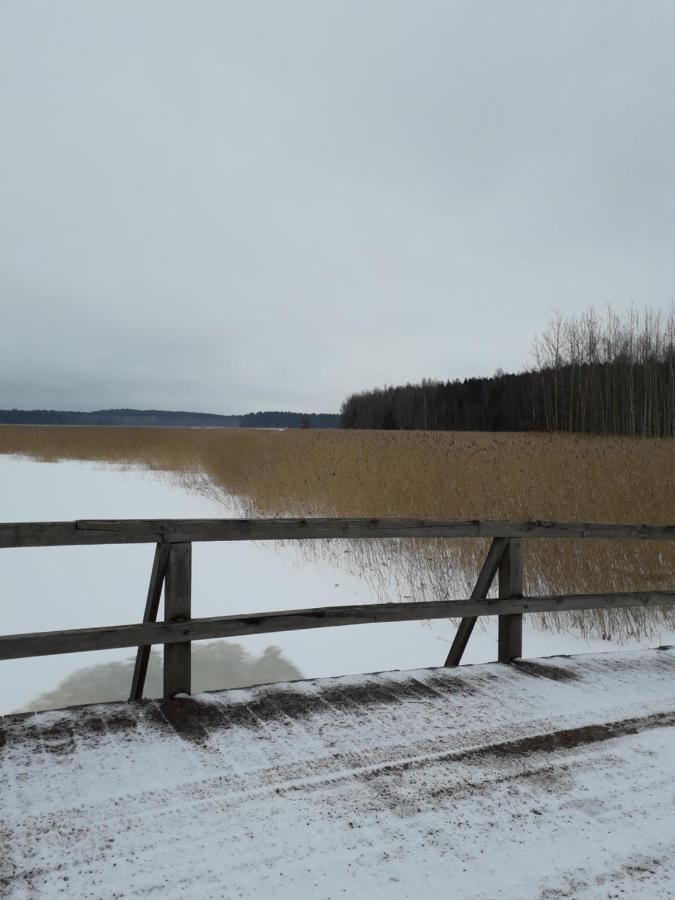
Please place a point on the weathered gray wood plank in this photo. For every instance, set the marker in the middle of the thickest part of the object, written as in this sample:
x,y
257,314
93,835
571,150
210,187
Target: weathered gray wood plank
x,y
72,641
150,615
112,531
480,591
510,627
178,608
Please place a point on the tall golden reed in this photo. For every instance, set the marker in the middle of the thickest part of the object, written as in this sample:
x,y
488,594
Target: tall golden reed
x,y
445,475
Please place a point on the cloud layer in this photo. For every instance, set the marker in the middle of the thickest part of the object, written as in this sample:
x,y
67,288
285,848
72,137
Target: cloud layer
x,y
225,207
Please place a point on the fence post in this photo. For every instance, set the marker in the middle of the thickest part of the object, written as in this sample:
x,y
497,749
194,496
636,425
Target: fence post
x,y
177,608
510,628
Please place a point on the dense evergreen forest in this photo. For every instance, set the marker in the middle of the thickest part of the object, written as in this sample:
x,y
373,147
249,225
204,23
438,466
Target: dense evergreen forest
x,y
270,419
595,374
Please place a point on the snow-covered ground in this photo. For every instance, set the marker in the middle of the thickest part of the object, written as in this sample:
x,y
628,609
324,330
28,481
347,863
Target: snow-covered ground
x,y
543,780
71,587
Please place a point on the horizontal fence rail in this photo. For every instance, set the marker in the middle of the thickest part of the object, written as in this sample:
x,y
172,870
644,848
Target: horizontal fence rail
x,y
116,636
172,575
155,531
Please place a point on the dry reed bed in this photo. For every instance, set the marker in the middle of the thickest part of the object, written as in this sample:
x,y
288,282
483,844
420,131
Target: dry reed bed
x,y
465,475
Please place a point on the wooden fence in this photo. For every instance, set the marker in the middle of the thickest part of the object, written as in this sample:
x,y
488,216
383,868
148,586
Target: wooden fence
x,y
172,571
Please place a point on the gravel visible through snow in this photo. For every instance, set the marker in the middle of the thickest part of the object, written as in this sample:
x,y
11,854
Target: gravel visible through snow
x,y
548,778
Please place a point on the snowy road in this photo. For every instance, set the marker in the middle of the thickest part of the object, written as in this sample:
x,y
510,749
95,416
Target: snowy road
x,y
552,778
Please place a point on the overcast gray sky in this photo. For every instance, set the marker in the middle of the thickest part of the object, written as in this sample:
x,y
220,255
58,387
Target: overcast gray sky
x,y
231,206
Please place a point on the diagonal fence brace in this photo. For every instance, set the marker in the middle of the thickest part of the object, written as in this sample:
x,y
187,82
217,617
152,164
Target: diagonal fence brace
x,y
157,577
480,592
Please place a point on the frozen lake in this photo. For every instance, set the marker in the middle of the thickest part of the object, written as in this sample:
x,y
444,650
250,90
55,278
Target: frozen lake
x,y
74,587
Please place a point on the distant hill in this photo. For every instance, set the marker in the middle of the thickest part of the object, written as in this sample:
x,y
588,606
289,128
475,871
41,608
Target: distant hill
x,y
266,419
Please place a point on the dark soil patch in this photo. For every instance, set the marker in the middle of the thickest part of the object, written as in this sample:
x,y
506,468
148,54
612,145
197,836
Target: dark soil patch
x,y
568,739
555,673
85,725
448,684
187,718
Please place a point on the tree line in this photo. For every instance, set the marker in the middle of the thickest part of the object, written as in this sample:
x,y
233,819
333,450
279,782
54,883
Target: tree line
x,y
218,665
598,374
159,417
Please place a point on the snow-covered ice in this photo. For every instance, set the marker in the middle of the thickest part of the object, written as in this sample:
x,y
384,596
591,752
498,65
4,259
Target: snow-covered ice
x,y
76,587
